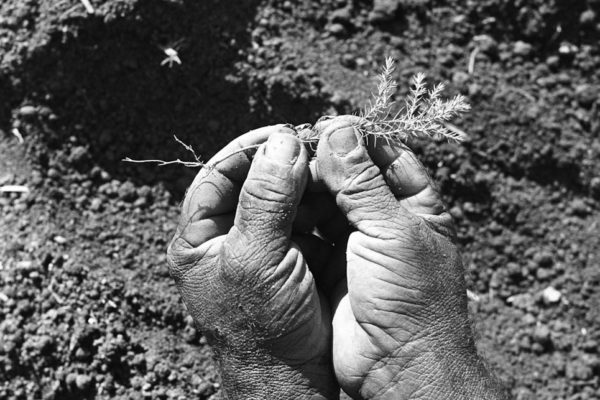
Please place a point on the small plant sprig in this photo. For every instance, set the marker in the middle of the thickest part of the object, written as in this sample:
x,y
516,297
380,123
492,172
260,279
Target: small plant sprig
x,y
424,113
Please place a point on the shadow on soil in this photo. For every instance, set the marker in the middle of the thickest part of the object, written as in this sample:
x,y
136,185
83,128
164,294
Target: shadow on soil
x,y
110,94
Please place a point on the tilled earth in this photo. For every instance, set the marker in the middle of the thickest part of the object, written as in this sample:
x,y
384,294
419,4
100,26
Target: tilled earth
x,y
87,308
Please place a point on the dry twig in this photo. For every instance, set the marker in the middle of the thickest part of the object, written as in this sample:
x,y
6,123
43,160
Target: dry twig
x,y
88,6
472,59
14,189
16,133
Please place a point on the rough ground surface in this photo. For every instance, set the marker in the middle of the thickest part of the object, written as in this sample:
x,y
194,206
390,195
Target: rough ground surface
x,y
87,309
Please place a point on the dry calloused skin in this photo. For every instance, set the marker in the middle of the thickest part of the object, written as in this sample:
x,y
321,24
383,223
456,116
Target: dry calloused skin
x,y
264,286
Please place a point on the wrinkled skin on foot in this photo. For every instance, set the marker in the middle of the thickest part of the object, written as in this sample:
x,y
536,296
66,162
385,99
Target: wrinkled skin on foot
x,y
307,275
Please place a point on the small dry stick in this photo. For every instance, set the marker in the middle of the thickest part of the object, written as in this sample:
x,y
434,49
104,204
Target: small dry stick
x,y
16,133
88,6
14,189
472,59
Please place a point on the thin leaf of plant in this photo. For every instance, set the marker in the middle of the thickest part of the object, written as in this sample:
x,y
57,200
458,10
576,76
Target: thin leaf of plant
x,y
424,114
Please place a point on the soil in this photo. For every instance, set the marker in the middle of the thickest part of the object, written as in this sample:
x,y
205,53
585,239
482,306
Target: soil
x,y
87,308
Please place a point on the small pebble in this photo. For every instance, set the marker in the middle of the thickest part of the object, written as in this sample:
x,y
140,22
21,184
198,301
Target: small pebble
x,y
553,62
83,382
77,155
576,369
522,301
337,29
567,49
25,265
341,15
53,173
27,111
551,296
127,191
522,48
60,239
96,204
71,379
587,18
384,10
348,61
586,94
541,335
